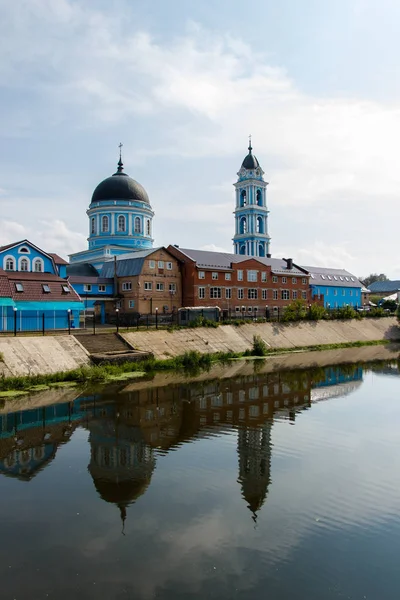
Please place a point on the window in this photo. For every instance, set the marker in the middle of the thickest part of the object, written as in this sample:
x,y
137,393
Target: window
x,y
10,264
335,278
214,275
148,286
19,287
92,225
159,286
66,289
341,278
215,292
169,266
38,265
104,224
240,294
148,227
274,279
102,287
264,276
294,295
152,264
304,281
275,296
46,288
24,250
24,264
343,292
240,275
228,276
228,293
284,280
172,287
264,294
160,264
202,275
137,225
322,276
237,308
351,292
202,292
87,287
250,309
252,293
335,292
346,278
243,225
304,295
126,286
285,294
121,223
326,292
294,279
131,304
251,275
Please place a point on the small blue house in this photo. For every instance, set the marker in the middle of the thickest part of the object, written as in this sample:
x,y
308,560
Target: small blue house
x,y
93,289
34,294
337,287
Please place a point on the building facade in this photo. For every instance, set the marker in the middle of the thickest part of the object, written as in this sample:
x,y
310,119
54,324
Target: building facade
x,y
336,288
251,213
240,284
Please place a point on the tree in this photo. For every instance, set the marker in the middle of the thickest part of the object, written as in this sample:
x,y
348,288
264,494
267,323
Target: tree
x,y
372,278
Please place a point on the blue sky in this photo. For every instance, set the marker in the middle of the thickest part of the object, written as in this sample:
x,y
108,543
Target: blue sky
x,y
182,84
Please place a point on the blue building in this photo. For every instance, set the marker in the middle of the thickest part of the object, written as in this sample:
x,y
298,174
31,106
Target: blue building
x,y
94,289
120,220
336,287
251,213
33,290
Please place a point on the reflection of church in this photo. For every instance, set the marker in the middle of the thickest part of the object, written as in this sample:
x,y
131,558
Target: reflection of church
x,y
126,430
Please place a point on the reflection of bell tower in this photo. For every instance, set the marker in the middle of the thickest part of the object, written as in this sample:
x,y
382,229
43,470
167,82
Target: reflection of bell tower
x,y
254,449
121,463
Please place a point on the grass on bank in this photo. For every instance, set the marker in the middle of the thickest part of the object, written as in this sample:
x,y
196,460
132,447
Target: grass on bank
x,y
191,362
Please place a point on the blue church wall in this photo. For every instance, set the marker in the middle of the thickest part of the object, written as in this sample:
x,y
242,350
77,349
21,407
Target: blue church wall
x,y
33,255
337,296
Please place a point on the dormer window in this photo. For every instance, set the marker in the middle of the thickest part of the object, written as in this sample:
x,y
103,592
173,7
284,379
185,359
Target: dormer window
x,y
322,276
66,289
19,287
24,264
10,264
46,288
38,265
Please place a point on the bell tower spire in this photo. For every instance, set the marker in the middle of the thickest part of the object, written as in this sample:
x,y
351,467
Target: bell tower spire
x,y
251,213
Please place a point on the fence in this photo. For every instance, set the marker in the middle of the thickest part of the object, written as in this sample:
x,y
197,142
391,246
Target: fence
x,y
29,321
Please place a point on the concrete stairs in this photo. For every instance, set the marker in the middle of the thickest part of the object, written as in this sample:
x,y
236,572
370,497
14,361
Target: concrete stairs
x,y
110,348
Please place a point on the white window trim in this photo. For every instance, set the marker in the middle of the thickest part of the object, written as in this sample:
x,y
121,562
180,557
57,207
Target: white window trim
x,y
103,230
24,248
118,228
103,288
9,257
21,258
37,260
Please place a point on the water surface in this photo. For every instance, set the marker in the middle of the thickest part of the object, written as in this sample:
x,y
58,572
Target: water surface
x,y
281,485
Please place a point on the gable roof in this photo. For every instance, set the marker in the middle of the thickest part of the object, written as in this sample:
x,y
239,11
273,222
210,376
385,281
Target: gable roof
x,y
130,264
384,287
327,277
57,259
33,290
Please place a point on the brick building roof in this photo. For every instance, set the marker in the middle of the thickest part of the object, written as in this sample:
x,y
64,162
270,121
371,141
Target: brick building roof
x,y
32,284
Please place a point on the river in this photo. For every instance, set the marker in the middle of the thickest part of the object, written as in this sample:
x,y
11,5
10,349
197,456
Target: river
x,y
279,485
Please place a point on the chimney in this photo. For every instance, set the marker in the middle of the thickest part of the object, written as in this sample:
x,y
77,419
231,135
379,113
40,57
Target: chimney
x,y
268,255
176,245
290,263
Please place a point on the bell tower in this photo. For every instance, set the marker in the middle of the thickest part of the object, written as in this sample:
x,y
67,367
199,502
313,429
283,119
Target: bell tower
x,y
251,213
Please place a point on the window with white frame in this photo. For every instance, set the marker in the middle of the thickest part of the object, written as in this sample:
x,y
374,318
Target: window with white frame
x,y
294,294
264,276
304,295
343,292
19,287
274,279
284,280
159,286
131,304
335,292
202,292
172,287
102,287
152,264
126,286
275,294
285,294
252,293
228,293
351,292
121,223
251,275
240,275
250,309
202,275
24,264
228,276
137,225
148,286
240,293
169,266
264,294
87,287
237,308
38,265
66,289
93,225
10,264
304,281
215,292
105,224
294,279
46,288
160,264
24,250
148,227
327,292
214,275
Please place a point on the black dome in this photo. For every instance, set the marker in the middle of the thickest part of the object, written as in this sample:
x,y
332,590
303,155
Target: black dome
x,y
250,162
120,187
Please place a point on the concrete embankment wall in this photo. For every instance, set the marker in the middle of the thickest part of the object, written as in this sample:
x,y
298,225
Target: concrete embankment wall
x,y
40,355
164,344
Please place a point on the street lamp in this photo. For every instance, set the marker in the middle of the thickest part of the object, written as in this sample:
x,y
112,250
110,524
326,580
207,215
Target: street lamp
x,y
117,312
69,320
156,317
15,320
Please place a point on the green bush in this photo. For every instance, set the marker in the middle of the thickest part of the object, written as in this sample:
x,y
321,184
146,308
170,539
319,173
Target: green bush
x,y
317,312
259,348
295,311
202,322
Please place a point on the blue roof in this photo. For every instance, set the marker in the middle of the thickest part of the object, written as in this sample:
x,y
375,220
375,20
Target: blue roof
x,y
384,287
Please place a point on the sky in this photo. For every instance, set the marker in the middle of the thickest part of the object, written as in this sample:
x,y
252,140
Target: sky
x,y
182,84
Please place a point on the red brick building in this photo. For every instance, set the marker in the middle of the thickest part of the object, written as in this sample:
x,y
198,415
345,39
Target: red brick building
x,y
240,284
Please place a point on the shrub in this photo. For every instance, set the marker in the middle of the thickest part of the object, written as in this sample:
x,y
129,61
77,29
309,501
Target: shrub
x,y
295,311
317,312
259,348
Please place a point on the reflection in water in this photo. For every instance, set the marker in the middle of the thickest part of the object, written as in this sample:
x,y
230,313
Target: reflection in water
x,y
126,429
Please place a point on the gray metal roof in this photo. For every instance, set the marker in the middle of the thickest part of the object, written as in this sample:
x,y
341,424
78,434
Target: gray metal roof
x,y
327,277
384,287
223,260
82,270
129,267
